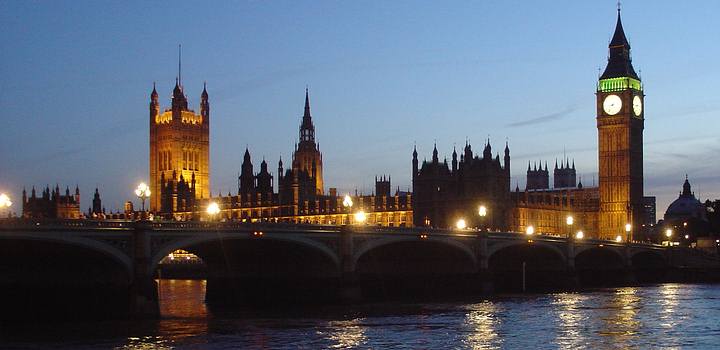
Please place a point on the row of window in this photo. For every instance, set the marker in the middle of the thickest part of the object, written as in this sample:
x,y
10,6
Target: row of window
x,y
190,161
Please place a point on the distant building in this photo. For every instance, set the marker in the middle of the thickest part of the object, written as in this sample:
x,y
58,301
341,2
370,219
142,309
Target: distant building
x,y
444,194
52,204
649,212
537,178
686,206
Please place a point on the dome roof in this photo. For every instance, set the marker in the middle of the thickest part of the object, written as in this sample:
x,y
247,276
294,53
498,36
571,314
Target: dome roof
x,y
686,206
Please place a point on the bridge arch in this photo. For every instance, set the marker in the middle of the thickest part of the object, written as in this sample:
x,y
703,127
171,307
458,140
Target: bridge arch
x,y
93,244
449,242
522,265
47,275
495,248
196,240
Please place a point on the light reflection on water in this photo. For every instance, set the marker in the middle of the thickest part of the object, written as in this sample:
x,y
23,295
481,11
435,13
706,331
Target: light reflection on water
x,y
666,315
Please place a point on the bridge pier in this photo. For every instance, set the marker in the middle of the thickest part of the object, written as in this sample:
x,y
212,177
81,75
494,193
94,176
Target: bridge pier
x,y
349,289
484,275
143,290
571,280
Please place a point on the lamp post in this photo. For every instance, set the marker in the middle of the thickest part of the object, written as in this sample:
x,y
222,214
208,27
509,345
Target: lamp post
x,y
213,209
530,230
579,235
143,192
461,224
360,217
5,203
347,204
628,232
569,221
482,211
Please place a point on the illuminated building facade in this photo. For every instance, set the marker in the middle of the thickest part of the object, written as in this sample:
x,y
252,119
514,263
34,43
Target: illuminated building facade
x,y
179,152
442,194
620,123
52,204
300,197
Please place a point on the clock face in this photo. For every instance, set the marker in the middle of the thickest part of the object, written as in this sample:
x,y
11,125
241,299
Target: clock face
x,y
637,105
612,104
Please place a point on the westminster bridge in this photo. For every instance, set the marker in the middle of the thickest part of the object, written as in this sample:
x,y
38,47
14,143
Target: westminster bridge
x,y
110,266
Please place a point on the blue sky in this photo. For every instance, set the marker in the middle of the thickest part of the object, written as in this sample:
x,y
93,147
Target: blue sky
x,y
75,79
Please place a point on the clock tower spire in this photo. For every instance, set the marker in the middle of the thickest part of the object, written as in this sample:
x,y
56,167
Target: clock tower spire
x,y
620,123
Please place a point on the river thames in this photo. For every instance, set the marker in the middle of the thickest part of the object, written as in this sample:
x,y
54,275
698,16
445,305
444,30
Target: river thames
x,y
664,315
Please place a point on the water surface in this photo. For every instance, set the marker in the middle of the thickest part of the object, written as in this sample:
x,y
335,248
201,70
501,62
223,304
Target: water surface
x,y
657,316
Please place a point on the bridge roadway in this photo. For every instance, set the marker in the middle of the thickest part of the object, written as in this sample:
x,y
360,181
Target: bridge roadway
x,y
76,261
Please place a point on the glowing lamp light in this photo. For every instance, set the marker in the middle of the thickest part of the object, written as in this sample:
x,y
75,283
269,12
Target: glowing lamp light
x,y
579,235
618,238
482,210
668,233
347,201
213,208
569,220
687,236
5,201
142,192
530,231
628,227
461,224
360,216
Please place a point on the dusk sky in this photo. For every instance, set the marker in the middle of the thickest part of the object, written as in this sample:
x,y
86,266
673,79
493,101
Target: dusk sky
x,y
75,80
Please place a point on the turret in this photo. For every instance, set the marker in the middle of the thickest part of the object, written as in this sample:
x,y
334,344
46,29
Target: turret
x,y
487,152
154,104
247,179
96,203
414,162
435,158
507,158
280,171
179,101
454,160
205,105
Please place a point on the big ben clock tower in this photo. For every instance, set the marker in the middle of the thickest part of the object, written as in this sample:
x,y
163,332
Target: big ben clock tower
x,y
620,123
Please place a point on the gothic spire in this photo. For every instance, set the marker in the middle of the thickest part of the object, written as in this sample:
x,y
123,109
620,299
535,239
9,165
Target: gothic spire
x,y
619,61
307,129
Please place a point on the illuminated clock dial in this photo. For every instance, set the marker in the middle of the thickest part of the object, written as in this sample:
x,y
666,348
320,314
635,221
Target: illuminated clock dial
x,y
612,104
637,105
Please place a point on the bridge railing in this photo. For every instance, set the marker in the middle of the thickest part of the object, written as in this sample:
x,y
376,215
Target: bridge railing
x,y
158,225
49,224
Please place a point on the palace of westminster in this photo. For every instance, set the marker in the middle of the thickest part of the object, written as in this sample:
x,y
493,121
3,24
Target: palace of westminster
x,y
441,194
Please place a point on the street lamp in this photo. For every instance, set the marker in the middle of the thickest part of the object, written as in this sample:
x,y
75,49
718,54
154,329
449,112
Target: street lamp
x,y
668,233
482,211
618,238
569,221
213,209
461,224
347,203
530,230
360,217
628,229
579,235
142,192
5,202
